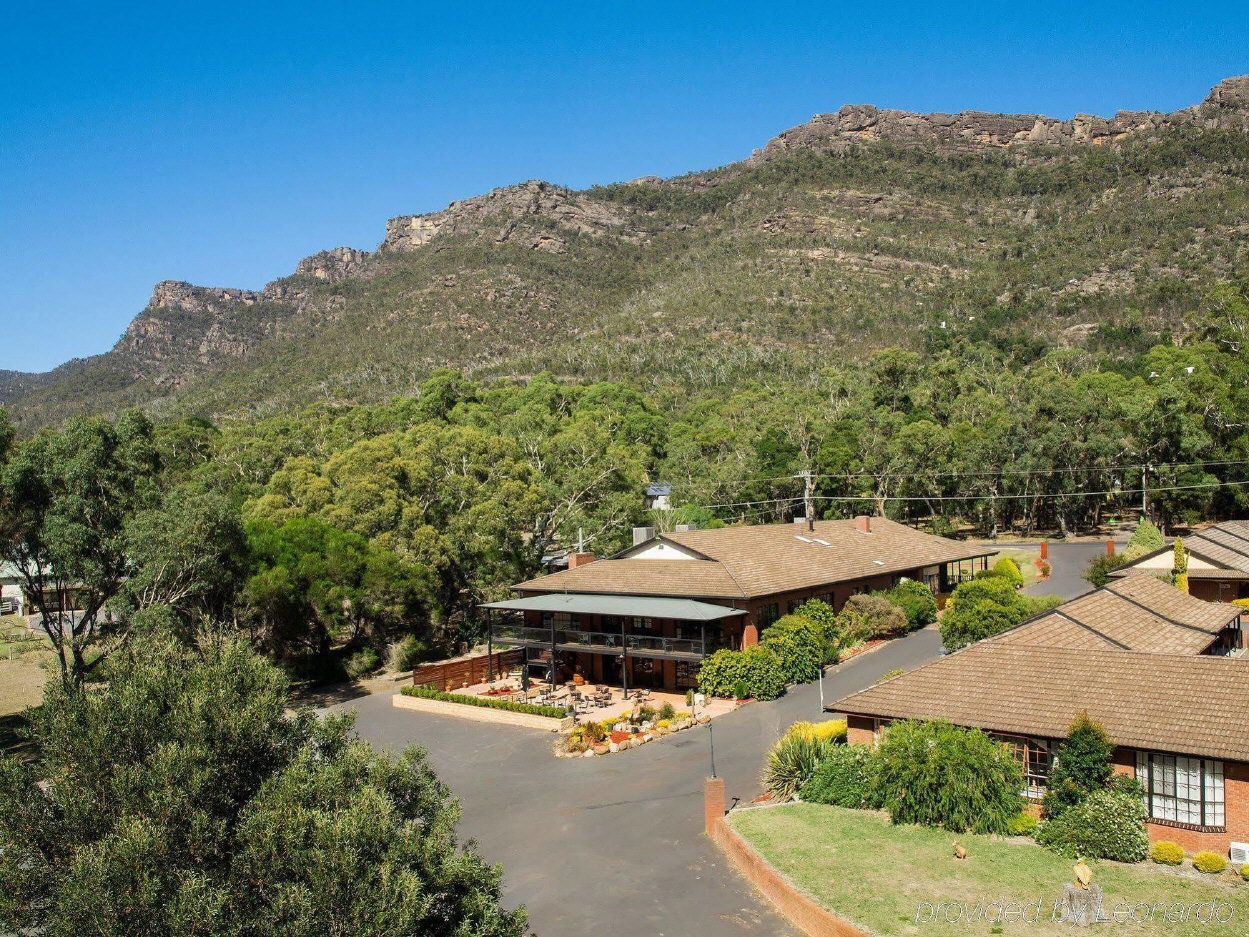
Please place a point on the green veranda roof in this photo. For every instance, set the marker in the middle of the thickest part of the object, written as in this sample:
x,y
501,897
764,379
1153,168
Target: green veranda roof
x,y
644,606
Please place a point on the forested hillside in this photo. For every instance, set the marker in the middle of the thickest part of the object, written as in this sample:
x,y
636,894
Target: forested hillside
x,y
1071,244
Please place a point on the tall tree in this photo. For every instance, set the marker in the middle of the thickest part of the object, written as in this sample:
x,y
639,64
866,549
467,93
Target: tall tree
x,y
68,496
182,800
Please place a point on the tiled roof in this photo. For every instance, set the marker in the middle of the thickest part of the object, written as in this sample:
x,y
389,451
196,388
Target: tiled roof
x,y
693,578
766,559
772,558
1139,613
1225,545
1181,704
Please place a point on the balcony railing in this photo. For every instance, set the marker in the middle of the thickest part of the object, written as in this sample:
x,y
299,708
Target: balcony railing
x,y
574,637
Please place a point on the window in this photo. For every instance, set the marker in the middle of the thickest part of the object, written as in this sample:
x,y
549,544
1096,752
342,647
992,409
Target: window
x,y
556,620
1181,790
792,605
768,614
1036,758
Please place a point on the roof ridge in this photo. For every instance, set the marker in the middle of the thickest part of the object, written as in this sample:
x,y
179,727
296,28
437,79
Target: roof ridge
x,y
1087,627
1158,614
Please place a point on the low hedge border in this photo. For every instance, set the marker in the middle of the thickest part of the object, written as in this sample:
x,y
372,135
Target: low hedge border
x,y
529,709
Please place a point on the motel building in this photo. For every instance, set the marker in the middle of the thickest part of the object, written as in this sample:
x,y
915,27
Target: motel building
x,y
647,616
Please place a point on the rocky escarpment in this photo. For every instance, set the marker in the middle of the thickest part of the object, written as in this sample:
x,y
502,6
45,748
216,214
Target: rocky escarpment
x,y
510,214
1227,107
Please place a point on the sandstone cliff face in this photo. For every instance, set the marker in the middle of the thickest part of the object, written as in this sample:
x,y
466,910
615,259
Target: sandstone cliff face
x,y
504,213
1227,106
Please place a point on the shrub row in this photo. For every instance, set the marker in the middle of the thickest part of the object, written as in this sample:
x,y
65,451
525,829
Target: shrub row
x,y
532,709
755,672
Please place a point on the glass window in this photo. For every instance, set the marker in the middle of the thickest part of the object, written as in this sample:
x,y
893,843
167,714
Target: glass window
x,y
1182,790
1036,758
768,614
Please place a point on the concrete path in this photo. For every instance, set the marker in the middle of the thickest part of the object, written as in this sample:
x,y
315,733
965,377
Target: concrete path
x,y
614,845
1068,562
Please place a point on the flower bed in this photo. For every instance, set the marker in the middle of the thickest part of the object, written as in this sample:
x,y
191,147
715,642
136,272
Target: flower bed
x,y
530,709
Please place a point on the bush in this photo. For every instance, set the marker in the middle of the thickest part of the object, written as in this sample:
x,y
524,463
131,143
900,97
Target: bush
x,y
866,616
797,643
845,777
754,672
406,653
824,617
937,774
1165,852
915,600
1097,573
1145,539
1024,824
792,761
363,662
1106,825
1009,570
889,675
1244,872
1209,862
984,607
1083,766
830,730
667,711
1243,603
489,702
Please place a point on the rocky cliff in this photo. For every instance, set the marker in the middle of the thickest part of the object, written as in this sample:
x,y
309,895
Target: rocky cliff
x,y
743,264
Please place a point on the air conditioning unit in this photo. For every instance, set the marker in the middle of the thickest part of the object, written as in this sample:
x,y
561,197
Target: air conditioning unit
x,y
1239,853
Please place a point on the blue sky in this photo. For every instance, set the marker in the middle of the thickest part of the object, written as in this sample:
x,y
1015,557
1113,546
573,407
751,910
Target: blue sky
x,y
221,145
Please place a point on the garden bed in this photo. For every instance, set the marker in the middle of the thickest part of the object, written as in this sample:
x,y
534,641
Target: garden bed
x,y
485,709
892,879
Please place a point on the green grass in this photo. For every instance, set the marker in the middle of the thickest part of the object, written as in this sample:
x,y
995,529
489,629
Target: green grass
x,y
884,878
1023,559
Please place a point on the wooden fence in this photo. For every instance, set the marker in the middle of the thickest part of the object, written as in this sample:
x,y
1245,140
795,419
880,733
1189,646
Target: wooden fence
x,y
451,675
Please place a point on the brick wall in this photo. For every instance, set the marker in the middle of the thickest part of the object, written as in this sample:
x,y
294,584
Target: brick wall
x,y
1235,807
860,730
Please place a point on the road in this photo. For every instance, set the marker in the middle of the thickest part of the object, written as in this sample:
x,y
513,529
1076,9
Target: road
x,y
1068,562
614,844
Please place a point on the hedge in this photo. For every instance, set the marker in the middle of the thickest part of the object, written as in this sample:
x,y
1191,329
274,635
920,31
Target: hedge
x,y
755,672
798,645
532,709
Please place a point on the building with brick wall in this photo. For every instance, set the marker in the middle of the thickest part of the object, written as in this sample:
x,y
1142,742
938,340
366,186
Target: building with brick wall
x,y
1218,562
1163,673
649,615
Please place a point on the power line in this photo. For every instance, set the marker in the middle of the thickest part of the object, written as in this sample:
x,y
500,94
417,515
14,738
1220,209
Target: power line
x,y
982,497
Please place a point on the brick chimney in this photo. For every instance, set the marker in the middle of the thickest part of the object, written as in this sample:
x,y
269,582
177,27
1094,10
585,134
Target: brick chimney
x,y
863,524
579,559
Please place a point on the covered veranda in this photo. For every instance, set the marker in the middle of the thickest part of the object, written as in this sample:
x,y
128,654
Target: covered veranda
x,y
632,642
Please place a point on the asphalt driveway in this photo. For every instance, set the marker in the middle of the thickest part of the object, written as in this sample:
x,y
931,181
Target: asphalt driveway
x,y
614,844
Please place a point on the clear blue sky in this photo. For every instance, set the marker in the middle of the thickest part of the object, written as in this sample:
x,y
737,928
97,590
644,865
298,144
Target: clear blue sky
x,y
222,146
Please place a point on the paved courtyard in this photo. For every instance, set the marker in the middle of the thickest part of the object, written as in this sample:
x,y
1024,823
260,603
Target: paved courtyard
x,y
614,845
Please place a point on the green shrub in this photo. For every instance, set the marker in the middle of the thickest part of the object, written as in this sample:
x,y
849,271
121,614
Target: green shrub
x,y
867,616
824,617
1244,872
1105,825
844,778
1098,571
667,711
1145,539
488,702
915,600
937,774
1083,766
1009,570
797,643
1023,824
984,607
889,675
1209,862
362,663
406,653
830,730
792,761
1165,852
754,672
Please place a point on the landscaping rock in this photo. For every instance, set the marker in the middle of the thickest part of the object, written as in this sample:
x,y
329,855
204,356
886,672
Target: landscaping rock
x,y
588,753
614,747
601,749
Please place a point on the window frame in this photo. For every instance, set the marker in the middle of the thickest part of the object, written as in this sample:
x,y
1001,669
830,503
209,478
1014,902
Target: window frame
x,y
1158,771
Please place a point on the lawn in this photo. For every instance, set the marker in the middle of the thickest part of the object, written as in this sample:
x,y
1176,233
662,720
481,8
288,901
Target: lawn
x,y
22,673
1023,559
892,879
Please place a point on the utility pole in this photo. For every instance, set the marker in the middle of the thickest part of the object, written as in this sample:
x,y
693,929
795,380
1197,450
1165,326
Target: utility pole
x,y
1144,495
808,496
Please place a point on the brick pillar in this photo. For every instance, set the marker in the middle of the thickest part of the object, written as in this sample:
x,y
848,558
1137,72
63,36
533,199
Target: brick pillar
x,y
1045,549
713,804
750,635
1110,548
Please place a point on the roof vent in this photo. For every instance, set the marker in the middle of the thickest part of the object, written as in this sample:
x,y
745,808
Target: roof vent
x,y
824,542
879,562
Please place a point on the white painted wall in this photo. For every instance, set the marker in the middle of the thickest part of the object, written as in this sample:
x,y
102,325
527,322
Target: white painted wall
x,y
1165,561
659,550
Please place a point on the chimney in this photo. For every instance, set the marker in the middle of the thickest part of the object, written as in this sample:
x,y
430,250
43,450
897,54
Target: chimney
x,y
684,528
579,559
642,534
863,524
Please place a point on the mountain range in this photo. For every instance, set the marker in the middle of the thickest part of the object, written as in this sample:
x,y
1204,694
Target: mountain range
x,y
859,229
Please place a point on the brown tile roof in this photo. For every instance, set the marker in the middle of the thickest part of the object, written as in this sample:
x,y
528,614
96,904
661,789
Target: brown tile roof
x,y
1225,544
695,578
1139,613
771,558
1182,704
765,559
